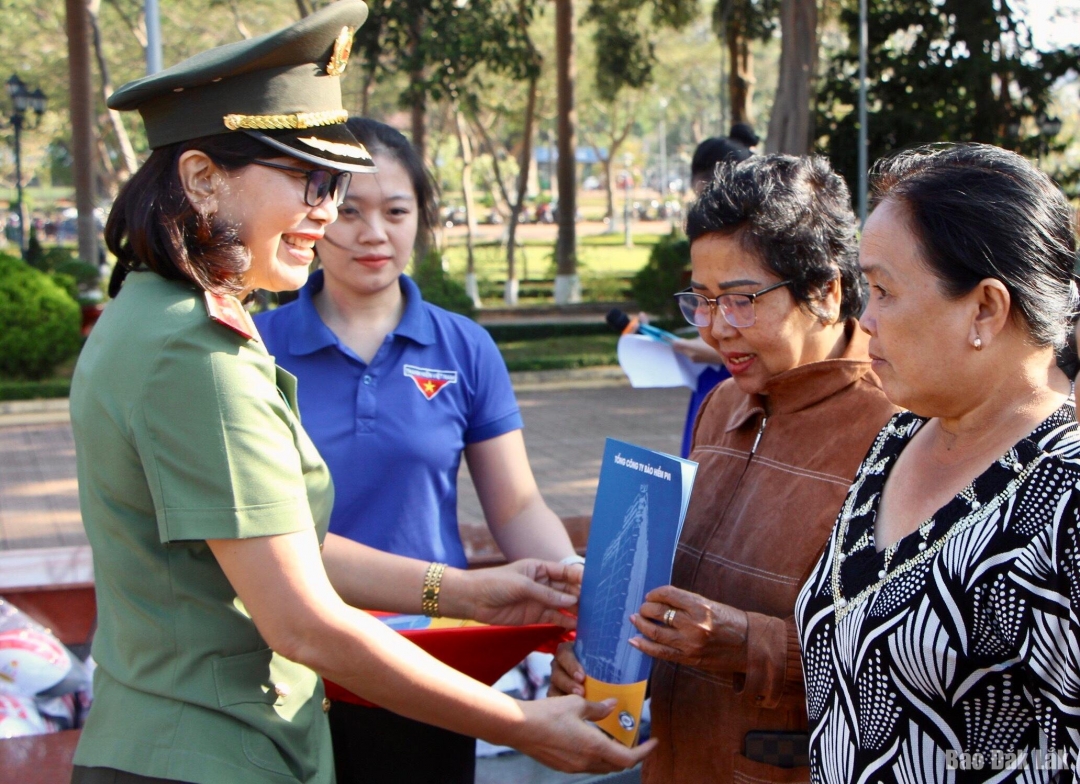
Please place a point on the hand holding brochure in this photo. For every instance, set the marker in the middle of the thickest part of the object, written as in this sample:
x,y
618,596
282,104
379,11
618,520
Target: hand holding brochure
x,y
640,507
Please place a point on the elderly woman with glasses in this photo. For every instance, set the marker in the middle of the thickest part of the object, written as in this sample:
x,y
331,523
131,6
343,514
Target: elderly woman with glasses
x,y
776,291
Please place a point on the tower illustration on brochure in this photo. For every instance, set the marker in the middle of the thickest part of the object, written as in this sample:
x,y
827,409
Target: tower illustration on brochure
x,y
640,505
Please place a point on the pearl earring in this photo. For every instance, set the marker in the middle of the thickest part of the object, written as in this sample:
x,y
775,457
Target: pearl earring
x,y
977,343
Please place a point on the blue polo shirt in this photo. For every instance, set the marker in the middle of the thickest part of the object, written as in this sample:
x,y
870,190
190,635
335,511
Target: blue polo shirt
x,y
393,431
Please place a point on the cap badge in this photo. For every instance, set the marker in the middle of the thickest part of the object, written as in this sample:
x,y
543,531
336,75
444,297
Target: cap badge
x,y
340,57
337,148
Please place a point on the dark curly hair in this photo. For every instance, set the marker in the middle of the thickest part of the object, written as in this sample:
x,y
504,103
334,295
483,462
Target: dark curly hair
x,y
795,215
153,225
981,212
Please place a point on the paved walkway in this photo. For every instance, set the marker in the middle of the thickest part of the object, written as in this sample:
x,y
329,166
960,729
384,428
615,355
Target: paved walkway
x,y
567,417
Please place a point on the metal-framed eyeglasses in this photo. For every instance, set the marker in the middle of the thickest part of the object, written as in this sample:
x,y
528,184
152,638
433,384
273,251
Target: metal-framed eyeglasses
x,y
319,183
737,309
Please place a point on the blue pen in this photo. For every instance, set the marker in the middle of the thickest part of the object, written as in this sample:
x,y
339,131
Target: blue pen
x,y
627,326
656,333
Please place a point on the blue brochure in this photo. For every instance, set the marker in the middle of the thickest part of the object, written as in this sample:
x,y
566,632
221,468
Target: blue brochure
x,y
639,511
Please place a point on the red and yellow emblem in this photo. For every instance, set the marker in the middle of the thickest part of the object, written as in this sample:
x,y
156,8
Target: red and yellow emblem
x,y
339,58
230,313
430,381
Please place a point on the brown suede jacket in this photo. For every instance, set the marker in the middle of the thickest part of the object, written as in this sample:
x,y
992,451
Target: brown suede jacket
x,y
774,471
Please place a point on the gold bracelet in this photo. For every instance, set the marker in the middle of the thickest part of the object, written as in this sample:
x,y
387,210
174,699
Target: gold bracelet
x,y
429,597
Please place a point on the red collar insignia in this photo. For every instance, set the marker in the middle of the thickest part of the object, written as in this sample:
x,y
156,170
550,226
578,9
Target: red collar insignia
x,y
429,381
227,311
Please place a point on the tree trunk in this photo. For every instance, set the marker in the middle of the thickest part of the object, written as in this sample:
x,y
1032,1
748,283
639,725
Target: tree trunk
x,y
567,284
81,106
127,152
107,170
418,105
496,188
510,295
740,74
697,130
418,114
609,192
365,93
238,21
615,140
418,118
465,146
137,26
789,125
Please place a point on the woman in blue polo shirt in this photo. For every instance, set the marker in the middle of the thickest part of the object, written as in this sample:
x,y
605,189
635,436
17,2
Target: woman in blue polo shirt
x,y
393,390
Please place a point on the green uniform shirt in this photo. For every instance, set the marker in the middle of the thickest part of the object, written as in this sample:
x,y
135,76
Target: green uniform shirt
x,y
185,431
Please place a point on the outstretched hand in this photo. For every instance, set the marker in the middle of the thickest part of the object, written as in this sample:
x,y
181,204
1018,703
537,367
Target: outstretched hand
x,y
520,593
703,634
557,733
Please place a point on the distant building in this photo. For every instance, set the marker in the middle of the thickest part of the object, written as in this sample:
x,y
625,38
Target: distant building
x,y
544,154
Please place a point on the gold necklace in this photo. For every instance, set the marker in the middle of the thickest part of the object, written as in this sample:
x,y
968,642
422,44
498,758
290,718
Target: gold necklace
x,y
979,512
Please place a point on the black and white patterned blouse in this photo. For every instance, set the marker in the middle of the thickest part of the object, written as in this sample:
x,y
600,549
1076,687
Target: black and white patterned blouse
x,y
953,655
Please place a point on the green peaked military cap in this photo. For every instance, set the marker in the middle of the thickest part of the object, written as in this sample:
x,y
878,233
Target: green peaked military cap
x,y
283,88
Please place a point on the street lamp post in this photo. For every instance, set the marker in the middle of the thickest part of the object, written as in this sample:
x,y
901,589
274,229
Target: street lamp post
x,y
22,101
548,140
663,148
152,15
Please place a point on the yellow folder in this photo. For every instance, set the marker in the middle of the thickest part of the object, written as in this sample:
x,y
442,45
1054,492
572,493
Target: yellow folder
x,y
624,722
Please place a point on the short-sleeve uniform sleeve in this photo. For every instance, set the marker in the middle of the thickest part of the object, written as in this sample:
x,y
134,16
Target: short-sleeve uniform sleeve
x,y
495,410
218,442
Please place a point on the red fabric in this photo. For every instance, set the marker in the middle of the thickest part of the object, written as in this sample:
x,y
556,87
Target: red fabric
x,y
481,652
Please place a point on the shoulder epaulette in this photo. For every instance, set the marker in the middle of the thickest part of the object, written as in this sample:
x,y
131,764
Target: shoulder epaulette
x,y
227,311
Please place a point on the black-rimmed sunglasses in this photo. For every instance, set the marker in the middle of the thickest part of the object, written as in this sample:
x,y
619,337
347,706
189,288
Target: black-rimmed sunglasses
x,y
320,183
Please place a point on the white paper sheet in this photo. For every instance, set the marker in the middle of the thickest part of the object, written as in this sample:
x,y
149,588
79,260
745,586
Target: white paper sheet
x,y
652,363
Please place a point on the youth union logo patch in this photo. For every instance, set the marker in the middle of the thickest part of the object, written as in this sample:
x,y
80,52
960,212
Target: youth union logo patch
x,y
429,381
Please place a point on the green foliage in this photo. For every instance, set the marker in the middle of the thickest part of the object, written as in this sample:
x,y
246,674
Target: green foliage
x,y
442,43
34,251
755,20
46,260
76,277
558,353
65,282
87,277
39,322
625,55
662,276
34,390
439,288
523,332
938,70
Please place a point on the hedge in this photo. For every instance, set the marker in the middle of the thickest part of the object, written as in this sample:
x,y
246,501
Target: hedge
x,y
39,322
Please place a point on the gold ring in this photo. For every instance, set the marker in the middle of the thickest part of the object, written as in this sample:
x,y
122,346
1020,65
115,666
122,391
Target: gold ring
x,y
669,617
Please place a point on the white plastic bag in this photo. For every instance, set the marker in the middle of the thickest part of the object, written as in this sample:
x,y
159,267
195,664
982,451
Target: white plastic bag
x,y
43,686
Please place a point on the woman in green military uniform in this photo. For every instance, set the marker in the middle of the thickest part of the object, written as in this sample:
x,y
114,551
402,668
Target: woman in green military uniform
x,y
204,501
